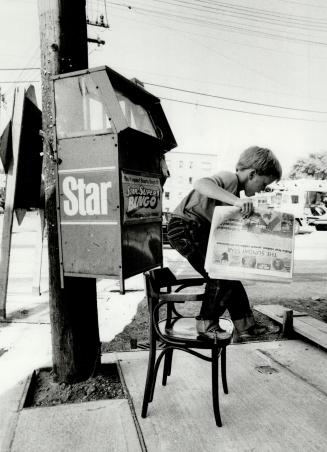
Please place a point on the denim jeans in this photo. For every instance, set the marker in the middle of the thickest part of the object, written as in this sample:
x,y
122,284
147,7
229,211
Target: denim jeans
x,y
190,239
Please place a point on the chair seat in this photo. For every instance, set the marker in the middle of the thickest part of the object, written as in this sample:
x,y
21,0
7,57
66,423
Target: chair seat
x,y
184,330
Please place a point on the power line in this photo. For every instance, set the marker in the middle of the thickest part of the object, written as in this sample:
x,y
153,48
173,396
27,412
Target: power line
x,y
219,38
21,81
237,100
232,26
259,11
19,68
241,111
240,12
307,5
206,95
250,14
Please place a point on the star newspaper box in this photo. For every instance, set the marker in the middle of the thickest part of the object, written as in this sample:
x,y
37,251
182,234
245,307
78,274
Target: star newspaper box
x,y
111,137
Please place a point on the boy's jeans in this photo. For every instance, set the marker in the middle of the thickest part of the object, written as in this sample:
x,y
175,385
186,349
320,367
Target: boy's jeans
x,y
190,239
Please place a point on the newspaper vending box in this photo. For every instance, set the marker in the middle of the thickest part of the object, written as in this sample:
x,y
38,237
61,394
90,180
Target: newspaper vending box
x,y
111,136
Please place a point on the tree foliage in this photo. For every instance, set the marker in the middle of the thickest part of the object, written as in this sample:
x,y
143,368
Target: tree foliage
x,y
314,167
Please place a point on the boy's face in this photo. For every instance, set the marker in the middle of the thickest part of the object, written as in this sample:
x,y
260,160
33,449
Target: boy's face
x,y
256,183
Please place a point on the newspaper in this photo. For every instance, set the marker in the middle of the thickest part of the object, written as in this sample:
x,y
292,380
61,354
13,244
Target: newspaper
x,y
260,247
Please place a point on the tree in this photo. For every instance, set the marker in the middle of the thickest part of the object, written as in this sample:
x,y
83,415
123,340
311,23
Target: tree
x,y
312,167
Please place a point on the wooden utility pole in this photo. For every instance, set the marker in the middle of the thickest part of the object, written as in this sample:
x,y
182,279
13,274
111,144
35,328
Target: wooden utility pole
x,y
73,308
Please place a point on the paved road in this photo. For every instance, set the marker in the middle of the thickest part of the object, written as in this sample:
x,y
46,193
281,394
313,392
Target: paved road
x,y
310,253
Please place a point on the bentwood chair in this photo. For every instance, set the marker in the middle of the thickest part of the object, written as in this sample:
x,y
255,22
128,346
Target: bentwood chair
x,y
178,332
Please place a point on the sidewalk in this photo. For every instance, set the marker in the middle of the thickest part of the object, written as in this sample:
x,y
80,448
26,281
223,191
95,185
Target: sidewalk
x,y
277,400
25,345
25,337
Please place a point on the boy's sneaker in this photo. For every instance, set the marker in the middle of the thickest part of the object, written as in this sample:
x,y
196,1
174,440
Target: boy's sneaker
x,y
211,329
256,330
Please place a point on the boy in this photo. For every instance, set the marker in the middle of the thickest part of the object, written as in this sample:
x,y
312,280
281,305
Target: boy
x,y
189,227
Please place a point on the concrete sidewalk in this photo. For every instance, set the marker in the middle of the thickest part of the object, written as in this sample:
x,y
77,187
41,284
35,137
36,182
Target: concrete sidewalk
x,y
25,336
277,401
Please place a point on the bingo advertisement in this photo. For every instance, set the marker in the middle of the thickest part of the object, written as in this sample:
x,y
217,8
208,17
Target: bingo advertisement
x,y
142,197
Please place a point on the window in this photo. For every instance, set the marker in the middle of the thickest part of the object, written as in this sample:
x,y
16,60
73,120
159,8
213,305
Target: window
x,y
167,194
190,179
295,199
136,116
80,110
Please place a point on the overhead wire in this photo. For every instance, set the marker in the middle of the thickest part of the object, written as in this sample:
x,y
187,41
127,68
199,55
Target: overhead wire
x,y
19,81
197,93
297,22
242,111
254,69
238,28
307,5
236,100
237,11
235,61
22,70
258,11
18,68
219,38
203,20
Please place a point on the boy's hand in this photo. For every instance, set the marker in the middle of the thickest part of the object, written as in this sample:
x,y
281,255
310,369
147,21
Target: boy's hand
x,y
246,206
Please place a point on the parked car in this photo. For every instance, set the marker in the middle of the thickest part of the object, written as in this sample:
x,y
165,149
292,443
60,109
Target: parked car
x,y
318,217
302,226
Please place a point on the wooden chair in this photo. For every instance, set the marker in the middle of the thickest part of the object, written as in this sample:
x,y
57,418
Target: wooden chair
x,y
177,331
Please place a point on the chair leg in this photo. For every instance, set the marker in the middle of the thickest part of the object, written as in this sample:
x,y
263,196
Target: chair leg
x,y
149,379
215,383
167,366
155,373
223,370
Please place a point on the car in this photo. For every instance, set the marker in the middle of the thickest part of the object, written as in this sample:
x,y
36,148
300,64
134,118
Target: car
x,y
314,212
302,226
320,221
317,216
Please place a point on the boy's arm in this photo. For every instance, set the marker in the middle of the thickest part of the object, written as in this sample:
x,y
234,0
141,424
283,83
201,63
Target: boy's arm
x,y
209,188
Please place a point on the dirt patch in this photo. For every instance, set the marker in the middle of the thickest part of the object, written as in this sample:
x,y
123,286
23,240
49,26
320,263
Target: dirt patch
x,y
136,334
45,391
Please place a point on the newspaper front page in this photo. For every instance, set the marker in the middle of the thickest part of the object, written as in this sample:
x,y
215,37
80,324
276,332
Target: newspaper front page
x,y
260,247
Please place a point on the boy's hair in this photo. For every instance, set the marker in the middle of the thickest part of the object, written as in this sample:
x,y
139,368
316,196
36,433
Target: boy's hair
x,y
263,160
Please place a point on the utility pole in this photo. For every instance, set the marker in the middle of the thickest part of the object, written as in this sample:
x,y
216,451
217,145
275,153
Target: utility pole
x,y
73,308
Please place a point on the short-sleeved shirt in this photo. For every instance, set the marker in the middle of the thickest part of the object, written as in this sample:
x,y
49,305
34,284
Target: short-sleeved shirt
x,y
198,207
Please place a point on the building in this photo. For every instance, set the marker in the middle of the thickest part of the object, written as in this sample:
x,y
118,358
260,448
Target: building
x,y
184,168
